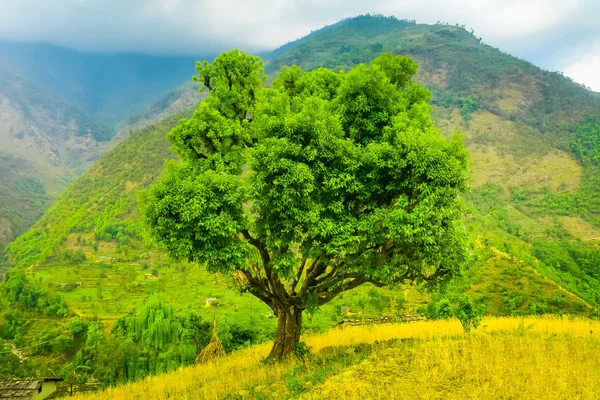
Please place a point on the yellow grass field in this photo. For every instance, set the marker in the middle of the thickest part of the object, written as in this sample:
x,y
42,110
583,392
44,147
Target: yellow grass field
x,y
506,358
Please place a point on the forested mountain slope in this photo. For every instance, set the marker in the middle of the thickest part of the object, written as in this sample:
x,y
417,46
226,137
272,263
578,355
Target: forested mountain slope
x,y
532,214
45,143
60,108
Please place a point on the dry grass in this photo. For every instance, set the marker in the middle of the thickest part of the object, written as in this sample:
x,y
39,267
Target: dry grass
x,y
476,367
213,350
556,170
579,228
506,358
516,97
508,154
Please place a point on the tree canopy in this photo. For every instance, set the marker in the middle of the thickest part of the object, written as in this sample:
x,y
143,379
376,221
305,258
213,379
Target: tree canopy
x,y
321,183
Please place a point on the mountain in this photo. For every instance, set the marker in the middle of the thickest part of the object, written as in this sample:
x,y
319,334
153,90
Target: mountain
x,y
60,109
111,87
534,137
532,215
45,143
183,97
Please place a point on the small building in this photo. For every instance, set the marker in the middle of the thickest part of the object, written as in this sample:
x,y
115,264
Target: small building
x,y
79,283
28,389
212,301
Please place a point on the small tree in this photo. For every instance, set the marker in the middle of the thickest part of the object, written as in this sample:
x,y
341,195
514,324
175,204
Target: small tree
x,y
313,187
444,309
376,300
468,314
361,302
154,326
73,375
400,303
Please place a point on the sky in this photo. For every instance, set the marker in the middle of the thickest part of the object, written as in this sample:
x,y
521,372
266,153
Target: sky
x,y
558,35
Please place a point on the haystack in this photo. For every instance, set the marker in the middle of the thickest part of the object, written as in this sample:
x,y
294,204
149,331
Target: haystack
x,y
213,350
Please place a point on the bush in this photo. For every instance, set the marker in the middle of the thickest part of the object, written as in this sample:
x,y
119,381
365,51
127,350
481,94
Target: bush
x,y
468,315
444,309
301,350
69,287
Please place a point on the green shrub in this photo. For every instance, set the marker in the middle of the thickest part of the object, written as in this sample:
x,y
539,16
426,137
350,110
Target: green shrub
x,y
468,314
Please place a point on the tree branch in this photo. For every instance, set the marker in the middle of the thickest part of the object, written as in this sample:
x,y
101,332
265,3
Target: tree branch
x,y
260,245
272,277
257,288
326,297
316,269
299,274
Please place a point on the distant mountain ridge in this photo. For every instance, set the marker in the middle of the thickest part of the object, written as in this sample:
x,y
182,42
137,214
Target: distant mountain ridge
x,y
110,87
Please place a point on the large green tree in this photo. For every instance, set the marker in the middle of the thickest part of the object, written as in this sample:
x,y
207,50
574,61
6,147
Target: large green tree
x,y
314,186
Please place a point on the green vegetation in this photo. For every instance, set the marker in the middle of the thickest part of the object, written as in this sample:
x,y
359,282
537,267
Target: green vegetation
x,y
109,189
531,214
26,295
22,198
586,142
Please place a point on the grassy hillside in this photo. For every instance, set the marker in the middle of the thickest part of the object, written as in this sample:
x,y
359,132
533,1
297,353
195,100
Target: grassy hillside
x,y
545,358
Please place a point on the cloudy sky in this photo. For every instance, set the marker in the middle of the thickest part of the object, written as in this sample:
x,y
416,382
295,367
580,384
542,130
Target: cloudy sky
x,y
554,34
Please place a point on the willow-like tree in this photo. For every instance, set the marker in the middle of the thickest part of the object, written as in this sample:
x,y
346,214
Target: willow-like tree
x,y
312,187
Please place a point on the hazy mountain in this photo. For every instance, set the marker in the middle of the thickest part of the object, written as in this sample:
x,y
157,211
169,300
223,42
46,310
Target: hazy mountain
x,y
45,143
109,86
60,108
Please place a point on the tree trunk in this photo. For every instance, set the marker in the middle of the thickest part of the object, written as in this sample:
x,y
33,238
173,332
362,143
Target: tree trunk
x,y
288,332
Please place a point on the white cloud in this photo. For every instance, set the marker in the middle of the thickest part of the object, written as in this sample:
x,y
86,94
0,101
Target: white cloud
x,y
507,19
586,70
543,31
259,23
